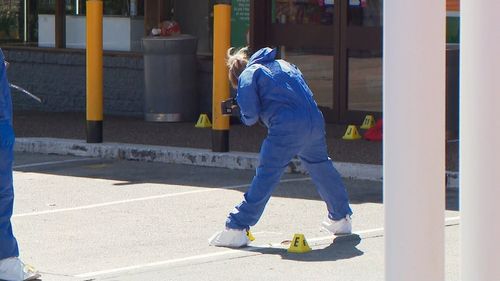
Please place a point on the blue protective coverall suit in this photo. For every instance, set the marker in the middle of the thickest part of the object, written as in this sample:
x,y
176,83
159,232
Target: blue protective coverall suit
x,y
275,92
8,244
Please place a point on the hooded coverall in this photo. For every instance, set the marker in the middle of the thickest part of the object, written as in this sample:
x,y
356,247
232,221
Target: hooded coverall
x,y
8,244
275,92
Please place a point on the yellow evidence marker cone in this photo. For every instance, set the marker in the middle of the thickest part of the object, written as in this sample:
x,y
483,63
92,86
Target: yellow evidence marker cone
x,y
368,123
299,244
250,236
203,122
351,133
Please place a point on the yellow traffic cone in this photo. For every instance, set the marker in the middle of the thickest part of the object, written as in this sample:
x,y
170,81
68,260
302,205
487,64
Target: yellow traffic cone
x,y
351,133
250,236
368,123
203,122
299,244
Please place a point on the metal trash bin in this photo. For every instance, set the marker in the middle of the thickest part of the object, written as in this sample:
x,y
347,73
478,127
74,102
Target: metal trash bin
x,y
170,71
452,90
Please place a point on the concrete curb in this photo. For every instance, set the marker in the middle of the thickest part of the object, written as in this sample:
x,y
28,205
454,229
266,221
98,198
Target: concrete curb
x,y
177,155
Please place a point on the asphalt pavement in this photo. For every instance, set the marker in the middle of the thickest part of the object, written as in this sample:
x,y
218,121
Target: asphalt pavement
x,y
81,218
83,212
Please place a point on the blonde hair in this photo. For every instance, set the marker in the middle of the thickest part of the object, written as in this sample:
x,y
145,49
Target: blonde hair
x,y
237,60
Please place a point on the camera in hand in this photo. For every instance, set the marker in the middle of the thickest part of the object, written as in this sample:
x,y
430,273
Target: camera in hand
x,y
229,107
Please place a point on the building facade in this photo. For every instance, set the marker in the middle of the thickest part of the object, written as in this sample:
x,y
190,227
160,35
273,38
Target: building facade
x,y
336,43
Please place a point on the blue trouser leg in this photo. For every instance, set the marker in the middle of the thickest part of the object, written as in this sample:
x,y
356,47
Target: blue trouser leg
x,y
275,155
328,182
8,244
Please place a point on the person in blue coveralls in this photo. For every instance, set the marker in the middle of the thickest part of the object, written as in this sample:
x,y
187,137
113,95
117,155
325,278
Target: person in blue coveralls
x,y
11,267
273,92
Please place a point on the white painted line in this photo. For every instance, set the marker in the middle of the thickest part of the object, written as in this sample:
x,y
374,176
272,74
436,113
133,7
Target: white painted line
x,y
448,221
204,256
128,268
229,252
361,232
53,163
108,204
105,204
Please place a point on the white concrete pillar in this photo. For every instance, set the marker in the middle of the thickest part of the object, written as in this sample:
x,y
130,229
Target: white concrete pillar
x,y
414,139
480,140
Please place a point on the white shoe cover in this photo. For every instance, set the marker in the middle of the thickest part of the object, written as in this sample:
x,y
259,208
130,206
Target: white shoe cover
x,y
233,238
13,269
342,226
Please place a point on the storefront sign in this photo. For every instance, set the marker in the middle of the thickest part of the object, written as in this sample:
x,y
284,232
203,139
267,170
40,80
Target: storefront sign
x,y
240,22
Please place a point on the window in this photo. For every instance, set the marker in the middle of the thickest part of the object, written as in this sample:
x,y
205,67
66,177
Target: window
x,y
19,19
11,21
303,12
111,7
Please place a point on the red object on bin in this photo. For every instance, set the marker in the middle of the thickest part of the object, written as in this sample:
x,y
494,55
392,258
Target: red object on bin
x,y
169,28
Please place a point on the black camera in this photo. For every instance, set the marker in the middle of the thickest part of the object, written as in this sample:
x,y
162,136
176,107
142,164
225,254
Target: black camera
x,y
230,107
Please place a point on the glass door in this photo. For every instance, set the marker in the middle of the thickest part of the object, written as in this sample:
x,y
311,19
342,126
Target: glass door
x,y
361,59
337,44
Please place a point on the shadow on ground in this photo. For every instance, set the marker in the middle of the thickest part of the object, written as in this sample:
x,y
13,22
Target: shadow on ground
x,y
342,248
129,174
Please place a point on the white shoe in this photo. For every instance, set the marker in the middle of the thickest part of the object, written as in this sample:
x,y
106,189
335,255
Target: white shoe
x,y
342,226
233,238
13,269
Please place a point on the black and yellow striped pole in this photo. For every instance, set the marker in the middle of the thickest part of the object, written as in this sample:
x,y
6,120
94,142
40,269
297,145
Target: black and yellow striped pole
x,y
222,42
94,71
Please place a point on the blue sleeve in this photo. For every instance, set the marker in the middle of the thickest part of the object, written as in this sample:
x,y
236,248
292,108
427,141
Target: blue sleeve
x,y
5,99
248,96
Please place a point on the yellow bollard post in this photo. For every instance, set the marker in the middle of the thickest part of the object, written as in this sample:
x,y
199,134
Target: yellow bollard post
x,y
222,42
94,71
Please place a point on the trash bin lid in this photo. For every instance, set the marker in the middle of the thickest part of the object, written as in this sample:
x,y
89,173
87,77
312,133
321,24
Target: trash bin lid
x,y
176,44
